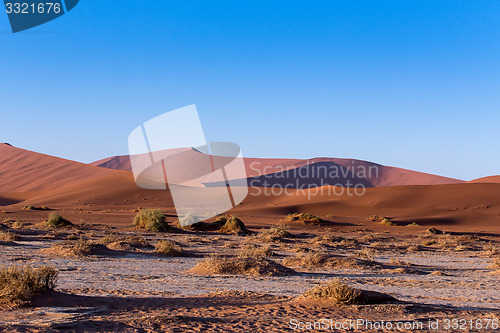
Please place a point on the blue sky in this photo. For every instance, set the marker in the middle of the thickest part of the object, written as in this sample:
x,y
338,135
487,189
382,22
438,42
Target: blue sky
x,y
413,84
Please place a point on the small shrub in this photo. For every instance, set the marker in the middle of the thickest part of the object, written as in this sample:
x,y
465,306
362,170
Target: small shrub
x,y
151,219
168,248
336,291
18,284
56,220
232,225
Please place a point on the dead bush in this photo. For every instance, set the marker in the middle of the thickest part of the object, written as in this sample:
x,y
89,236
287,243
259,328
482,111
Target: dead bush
x,y
274,233
256,251
336,291
6,236
232,225
168,248
255,266
18,284
56,220
323,260
304,218
79,248
151,219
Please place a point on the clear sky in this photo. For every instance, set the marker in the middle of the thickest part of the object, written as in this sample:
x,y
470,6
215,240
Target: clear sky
x,y
413,84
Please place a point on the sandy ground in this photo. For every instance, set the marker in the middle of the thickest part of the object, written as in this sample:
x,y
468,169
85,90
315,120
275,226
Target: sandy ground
x,y
138,291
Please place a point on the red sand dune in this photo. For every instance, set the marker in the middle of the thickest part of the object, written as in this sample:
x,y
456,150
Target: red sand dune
x,y
61,183
454,204
315,171
26,171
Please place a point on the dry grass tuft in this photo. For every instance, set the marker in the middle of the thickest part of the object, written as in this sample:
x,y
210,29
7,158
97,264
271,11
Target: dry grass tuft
x,y
256,251
381,220
6,236
388,222
168,248
495,264
434,231
397,262
17,224
413,248
151,219
18,284
274,233
490,250
336,291
254,266
232,225
56,220
79,248
324,260
304,218
376,218
124,243
367,254
348,242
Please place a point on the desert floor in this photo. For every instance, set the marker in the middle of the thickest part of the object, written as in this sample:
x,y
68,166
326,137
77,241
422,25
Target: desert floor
x,y
122,284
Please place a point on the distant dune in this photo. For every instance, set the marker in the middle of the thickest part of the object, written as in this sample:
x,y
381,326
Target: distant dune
x,y
487,180
116,162
313,172
45,180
